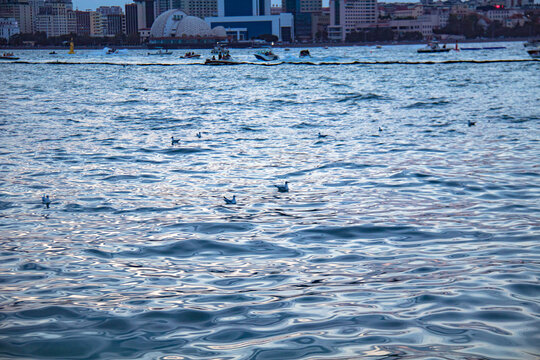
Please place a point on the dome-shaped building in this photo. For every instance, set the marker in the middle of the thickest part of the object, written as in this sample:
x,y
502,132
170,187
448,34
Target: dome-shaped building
x,y
175,27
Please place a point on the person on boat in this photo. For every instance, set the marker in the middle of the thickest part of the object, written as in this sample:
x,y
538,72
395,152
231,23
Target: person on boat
x,y
214,57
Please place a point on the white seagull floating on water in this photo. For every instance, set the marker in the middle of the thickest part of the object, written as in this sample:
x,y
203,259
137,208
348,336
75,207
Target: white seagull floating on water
x,y
230,201
284,187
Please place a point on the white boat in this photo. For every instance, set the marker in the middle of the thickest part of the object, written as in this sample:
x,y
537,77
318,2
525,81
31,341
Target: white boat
x,y
266,55
434,47
161,52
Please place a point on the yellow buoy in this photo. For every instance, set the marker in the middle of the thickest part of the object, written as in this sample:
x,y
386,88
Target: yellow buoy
x,y
71,47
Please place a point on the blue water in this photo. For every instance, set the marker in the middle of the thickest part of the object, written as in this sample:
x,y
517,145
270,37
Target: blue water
x,y
419,241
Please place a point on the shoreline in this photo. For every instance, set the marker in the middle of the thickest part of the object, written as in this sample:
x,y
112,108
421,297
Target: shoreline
x,y
292,45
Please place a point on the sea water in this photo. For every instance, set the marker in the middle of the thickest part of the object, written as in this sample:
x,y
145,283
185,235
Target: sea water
x,y
406,232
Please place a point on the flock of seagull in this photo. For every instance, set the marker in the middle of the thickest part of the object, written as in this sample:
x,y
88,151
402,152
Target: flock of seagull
x,y
45,200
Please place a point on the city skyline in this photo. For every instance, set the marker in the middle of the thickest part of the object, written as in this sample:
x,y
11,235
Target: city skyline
x,y
93,4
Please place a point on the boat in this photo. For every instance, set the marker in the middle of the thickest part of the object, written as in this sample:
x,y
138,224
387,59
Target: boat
x,y
190,55
219,48
161,52
111,51
215,61
53,53
433,47
534,43
305,53
8,56
266,55
534,53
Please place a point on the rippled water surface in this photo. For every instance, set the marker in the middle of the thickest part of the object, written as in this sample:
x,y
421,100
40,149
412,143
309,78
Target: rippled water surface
x,y
406,233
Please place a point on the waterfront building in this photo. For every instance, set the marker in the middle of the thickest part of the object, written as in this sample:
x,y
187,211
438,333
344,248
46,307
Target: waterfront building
x,y
240,28
8,27
110,10
21,11
303,12
350,15
199,8
131,18
53,18
83,23
96,24
243,7
174,28
145,14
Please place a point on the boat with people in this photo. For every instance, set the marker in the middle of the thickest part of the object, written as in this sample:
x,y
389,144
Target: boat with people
x,y
434,47
219,48
190,55
8,56
266,55
53,53
161,52
305,53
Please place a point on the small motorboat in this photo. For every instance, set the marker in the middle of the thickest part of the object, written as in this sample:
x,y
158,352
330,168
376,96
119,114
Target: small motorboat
x,y
53,53
534,53
215,61
305,53
434,47
161,52
190,55
8,56
266,55
112,51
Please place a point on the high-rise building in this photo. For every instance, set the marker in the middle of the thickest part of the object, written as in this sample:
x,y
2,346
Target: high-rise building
x,y
21,11
113,24
200,8
8,27
109,10
53,18
145,14
131,18
303,12
349,15
96,24
243,7
83,23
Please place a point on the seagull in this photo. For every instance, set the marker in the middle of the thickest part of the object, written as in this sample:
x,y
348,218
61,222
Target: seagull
x,y
322,136
45,200
230,201
380,128
283,188
471,123
174,141
199,135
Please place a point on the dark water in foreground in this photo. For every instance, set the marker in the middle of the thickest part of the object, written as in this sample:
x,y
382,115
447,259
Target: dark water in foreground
x,y
419,241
